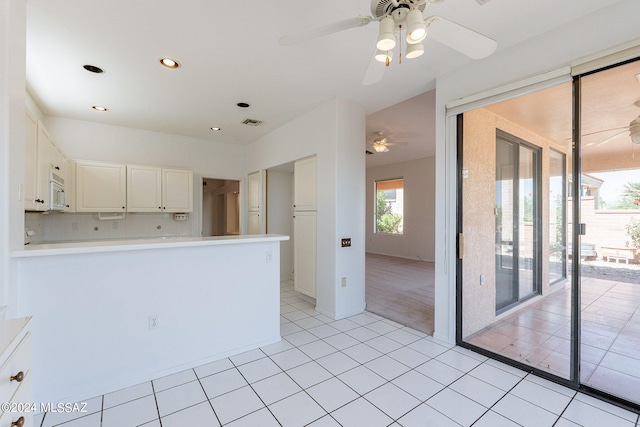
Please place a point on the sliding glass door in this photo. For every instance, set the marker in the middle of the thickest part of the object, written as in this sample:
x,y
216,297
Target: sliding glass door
x,y
551,179
516,298
517,218
610,246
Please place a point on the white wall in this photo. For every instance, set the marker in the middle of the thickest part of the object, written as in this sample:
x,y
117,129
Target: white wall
x,y
335,133
12,126
602,30
417,240
81,140
280,216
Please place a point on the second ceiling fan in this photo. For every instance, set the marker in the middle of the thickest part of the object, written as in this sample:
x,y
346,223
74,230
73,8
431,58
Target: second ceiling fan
x,y
398,18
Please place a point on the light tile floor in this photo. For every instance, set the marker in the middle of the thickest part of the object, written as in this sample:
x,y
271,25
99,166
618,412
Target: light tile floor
x,y
365,371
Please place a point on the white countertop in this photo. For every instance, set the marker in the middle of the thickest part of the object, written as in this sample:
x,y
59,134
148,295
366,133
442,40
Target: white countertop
x,y
94,246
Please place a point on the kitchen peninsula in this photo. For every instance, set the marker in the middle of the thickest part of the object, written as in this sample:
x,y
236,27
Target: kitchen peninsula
x,y
112,314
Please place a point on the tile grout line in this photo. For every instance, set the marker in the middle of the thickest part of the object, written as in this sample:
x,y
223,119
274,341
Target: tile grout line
x,y
155,399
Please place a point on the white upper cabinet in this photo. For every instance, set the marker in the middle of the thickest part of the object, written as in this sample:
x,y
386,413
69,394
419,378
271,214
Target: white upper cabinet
x,y
154,189
254,185
101,187
177,190
144,188
304,184
42,157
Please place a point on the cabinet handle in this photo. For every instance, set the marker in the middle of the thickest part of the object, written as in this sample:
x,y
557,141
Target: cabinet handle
x,y
18,377
57,168
18,423
123,207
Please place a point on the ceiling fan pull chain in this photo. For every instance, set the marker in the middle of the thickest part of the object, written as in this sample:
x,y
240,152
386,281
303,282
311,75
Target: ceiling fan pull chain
x,y
400,46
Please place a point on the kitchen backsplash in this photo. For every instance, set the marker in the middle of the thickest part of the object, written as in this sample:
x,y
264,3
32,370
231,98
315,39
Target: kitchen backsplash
x,y
59,227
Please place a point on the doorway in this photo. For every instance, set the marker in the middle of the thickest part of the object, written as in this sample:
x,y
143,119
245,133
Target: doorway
x,y
220,207
577,317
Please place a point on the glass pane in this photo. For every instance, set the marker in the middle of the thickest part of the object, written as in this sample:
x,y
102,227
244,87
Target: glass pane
x,y
609,251
506,292
557,217
506,165
389,206
527,215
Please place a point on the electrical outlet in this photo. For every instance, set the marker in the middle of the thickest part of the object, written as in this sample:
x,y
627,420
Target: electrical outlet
x,y
346,242
482,280
344,282
154,322
269,257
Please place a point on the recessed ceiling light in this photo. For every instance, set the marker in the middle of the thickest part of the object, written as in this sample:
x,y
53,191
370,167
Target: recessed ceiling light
x,y
216,129
93,69
100,108
169,63
243,105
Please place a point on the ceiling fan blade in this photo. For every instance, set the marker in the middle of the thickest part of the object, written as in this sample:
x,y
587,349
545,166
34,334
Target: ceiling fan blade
x,y
605,130
374,72
462,39
611,138
314,33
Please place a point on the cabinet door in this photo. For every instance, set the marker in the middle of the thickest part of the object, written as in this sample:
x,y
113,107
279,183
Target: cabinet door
x,y
144,188
101,187
177,190
304,184
31,165
46,157
304,255
253,222
254,186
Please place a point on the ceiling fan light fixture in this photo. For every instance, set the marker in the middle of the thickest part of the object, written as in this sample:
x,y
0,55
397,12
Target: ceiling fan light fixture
x,y
414,50
634,131
384,56
380,147
387,34
416,28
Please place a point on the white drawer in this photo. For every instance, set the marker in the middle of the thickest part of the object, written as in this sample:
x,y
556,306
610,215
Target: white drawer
x,y
18,361
22,396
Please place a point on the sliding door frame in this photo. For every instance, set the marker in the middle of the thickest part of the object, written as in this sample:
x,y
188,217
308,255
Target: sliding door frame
x,y
576,231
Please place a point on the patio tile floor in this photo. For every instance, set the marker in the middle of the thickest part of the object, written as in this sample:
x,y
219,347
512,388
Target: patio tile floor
x,y
539,335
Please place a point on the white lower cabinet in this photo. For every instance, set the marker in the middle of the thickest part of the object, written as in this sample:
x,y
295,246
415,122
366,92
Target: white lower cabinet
x,y
15,373
305,242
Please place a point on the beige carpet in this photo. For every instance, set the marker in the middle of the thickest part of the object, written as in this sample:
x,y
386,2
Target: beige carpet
x,y
401,290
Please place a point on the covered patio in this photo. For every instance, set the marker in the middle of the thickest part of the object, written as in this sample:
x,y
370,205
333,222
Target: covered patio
x,y
538,333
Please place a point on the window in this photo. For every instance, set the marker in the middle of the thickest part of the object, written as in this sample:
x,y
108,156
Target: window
x,y
389,206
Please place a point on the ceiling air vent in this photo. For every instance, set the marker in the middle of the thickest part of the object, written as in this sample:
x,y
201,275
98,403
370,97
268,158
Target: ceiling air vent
x,y
251,122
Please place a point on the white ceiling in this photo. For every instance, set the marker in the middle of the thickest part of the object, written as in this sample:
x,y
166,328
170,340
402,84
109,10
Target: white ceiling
x,y
229,53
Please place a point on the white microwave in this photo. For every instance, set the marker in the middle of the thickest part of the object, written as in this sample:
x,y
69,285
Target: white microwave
x,y
57,197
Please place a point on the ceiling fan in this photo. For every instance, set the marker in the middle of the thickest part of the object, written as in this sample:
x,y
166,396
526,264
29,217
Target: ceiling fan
x,y
381,144
632,130
403,17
